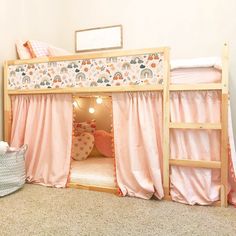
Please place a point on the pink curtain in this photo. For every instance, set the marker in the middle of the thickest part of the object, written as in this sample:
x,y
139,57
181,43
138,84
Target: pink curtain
x,y
195,185
137,123
232,161
44,122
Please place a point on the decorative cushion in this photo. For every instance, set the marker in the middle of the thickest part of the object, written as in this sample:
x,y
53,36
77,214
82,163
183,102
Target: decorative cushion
x,y
37,48
82,146
103,142
86,126
42,49
22,51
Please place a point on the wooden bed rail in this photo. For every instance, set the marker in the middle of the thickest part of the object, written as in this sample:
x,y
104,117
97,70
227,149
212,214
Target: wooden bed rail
x,y
222,126
166,88
92,55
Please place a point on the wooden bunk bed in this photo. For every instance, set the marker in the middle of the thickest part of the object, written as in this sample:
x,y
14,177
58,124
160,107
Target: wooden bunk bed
x,y
161,84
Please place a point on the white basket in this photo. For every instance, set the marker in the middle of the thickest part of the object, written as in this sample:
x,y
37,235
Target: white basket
x,y
12,170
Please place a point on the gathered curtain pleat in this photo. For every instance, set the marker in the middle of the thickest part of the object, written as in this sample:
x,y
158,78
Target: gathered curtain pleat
x,y
44,123
137,123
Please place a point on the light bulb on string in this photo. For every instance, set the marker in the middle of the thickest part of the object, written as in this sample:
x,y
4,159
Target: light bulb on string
x,y
75,104
91,110
99,100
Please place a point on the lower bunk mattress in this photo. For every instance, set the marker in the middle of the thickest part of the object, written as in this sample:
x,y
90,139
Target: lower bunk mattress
x,y
94,171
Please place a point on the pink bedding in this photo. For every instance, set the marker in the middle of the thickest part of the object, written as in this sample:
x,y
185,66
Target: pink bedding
x,y
94,171
195,75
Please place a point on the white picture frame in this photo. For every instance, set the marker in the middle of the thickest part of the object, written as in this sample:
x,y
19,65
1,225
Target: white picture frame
x,y
101,38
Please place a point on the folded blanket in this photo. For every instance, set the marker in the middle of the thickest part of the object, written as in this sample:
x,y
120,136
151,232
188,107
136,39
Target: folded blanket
x,y
3,147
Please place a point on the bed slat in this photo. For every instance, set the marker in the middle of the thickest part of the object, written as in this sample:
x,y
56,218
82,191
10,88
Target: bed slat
x,y
193,87
216,126
195,163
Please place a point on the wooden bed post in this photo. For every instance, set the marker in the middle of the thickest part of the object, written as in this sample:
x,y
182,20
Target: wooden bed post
x,y
224,130
7,106
166,121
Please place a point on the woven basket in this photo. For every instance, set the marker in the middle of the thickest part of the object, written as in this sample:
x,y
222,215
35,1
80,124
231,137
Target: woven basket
x,y
12,170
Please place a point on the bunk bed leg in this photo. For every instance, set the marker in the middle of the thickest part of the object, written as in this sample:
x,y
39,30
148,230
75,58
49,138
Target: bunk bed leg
x,y
7,106
224,130
166,121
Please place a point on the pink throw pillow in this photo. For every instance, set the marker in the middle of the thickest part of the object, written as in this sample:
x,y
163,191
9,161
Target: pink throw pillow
x,y
86,126
22,51
42,49
37,48
82,146
103,142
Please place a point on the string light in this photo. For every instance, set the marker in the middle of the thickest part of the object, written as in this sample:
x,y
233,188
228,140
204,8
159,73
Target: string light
x,y
75,104
99,100
91,110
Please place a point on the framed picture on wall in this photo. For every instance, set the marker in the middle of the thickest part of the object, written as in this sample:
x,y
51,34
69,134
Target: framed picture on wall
x,y
101,38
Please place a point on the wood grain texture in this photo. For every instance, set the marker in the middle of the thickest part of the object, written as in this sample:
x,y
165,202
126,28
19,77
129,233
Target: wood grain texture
x,y
224,123
93,188
216,126
196,163
166,120
114,53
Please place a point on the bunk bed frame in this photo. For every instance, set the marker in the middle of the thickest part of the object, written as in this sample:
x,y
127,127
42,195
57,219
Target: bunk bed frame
x,y
166,88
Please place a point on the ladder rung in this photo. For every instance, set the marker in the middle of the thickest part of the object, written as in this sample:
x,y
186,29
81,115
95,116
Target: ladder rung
x,y
173,125
182,87
195,163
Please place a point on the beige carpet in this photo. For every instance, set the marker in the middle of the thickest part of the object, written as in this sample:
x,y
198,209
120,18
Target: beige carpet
x,y
37,210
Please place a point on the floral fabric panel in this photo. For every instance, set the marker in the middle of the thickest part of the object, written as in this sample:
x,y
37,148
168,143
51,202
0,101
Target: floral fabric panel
x,y
144,69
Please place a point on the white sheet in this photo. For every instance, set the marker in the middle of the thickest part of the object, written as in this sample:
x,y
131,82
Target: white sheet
x,y
196,62
94,171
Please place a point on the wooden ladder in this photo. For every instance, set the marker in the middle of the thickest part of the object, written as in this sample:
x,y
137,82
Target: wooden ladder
x,y
222,126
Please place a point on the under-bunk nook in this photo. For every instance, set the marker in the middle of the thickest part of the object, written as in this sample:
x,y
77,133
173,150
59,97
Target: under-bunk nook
x,y
92,155
124,120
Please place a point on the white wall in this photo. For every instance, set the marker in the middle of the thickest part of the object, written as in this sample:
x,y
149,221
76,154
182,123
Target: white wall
x,y
192,28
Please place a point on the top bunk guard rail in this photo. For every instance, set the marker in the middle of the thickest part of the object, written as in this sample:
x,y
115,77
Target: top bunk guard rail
x,y
116,71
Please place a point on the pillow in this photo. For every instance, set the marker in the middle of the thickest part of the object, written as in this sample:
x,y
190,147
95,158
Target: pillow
x,y
82,146
37,48
22,51
42,49
103,142
86,126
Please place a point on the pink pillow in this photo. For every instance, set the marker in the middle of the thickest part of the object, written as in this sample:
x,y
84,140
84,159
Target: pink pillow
x,y
82,146
42,49
103,142
37,48
22,51
86,126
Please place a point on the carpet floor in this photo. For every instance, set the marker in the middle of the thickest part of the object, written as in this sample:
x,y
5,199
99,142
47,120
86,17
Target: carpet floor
x,y
37,210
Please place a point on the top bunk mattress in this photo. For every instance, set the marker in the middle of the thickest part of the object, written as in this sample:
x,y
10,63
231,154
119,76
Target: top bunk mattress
x,y
196,71
197,75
